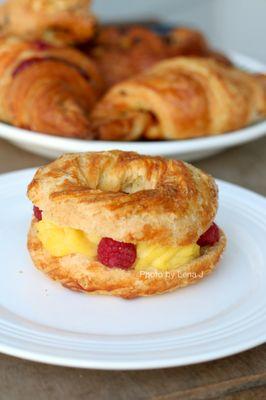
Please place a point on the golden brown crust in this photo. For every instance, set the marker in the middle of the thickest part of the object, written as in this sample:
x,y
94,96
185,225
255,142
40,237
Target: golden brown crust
x,y
183,41
185,97
122,51
58,21
78,273
126,196
46,88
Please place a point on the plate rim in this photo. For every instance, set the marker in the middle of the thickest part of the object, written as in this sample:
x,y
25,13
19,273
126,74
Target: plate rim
x,y
129,365
67,361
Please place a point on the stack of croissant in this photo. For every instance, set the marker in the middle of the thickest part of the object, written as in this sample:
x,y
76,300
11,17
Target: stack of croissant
x,y
63,74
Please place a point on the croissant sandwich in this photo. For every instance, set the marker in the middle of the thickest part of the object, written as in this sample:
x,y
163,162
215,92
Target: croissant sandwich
x,y
124,224
180,98
64,21
47,89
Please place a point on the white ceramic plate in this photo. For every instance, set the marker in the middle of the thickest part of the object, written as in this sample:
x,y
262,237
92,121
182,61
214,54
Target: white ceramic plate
x,y
192,149
223,314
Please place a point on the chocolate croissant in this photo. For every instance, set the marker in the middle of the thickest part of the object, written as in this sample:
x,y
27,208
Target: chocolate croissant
x,y
64,21
121,52
124,51
189,42
180,98
47,89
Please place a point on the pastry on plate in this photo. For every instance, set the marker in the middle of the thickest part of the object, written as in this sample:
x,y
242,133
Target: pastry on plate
x,y
181,98
184,41
57,21
46,88
124,224
122,51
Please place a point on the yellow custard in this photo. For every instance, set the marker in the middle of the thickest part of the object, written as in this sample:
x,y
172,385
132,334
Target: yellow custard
x,y
164,258
63,241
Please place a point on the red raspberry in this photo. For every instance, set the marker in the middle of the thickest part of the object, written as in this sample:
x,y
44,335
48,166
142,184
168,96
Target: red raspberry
x,y
37,213
210,237
116,254
41,45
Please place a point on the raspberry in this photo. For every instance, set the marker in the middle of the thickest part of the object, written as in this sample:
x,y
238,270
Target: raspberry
x,y
210,237
37,213
116,254
41,45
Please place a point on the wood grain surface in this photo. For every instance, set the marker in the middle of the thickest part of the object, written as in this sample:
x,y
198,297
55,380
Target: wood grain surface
x,y
240,377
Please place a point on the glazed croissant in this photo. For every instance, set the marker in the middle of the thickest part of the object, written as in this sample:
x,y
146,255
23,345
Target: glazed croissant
x,y
124,51
47,89
180,98
57,21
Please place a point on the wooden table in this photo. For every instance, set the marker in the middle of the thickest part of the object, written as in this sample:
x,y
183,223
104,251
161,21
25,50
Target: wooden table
x,y
240,377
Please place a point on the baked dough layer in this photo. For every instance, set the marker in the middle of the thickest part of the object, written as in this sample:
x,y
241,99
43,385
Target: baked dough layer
x,y
127,196
181,98
58,21
47,89
78,273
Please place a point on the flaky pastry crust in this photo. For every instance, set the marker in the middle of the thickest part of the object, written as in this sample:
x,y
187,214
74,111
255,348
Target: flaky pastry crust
x,y
125,50
126,196
49,89
180,98
78,273
59,21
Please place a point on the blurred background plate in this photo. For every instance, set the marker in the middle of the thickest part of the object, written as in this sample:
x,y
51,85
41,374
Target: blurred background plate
x,y
192,149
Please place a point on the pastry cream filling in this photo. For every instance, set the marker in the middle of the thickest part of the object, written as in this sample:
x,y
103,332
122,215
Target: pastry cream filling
x,y
63,241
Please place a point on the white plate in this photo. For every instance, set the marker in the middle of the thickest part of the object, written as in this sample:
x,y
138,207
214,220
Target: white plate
x,y
192,149
222,315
